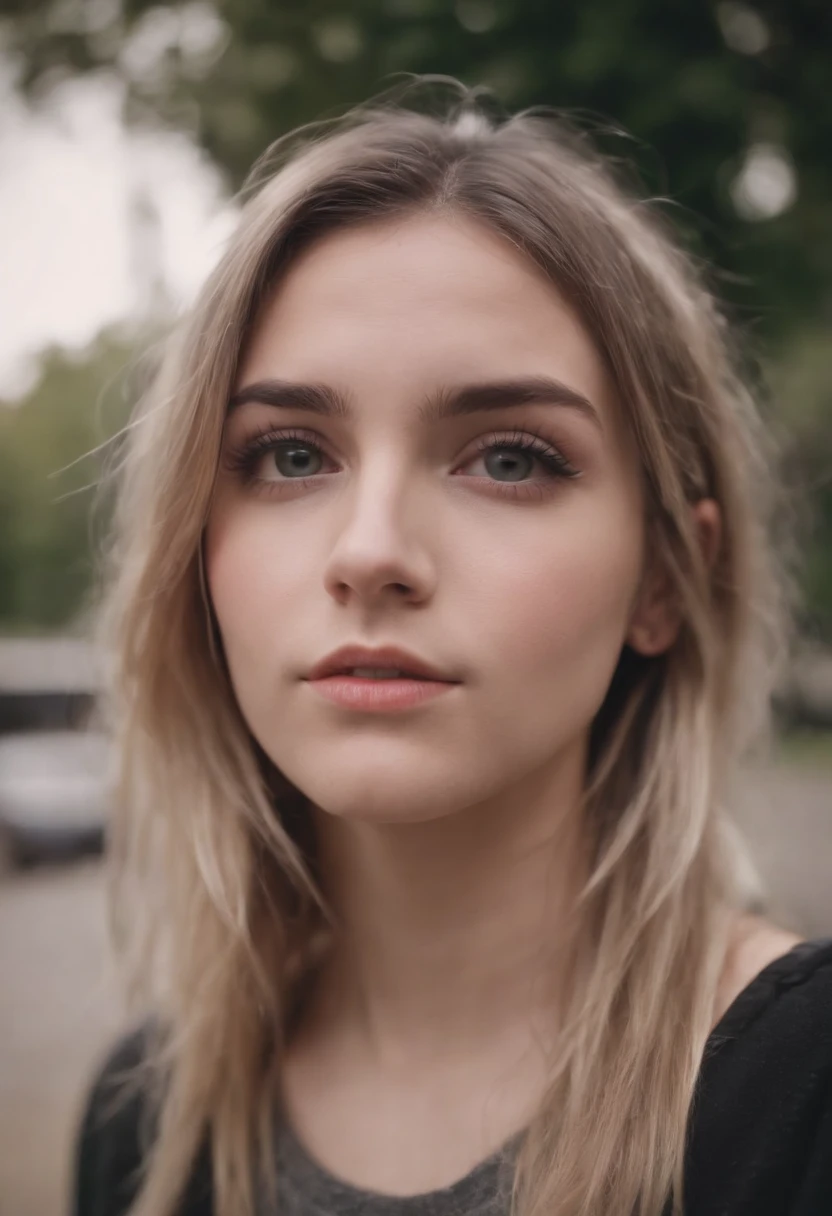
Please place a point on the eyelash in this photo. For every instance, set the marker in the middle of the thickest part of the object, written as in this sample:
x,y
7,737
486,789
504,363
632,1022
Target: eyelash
x,y
245,458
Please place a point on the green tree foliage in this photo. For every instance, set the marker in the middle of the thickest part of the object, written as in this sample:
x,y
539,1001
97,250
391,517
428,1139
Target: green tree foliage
x,y
697,85
801,385
48,481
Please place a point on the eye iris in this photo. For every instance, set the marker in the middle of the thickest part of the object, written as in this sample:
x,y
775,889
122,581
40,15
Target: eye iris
x,y
296,454
508,458
508,462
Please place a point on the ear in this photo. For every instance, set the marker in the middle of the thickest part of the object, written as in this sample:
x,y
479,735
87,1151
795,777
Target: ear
x,y
656,617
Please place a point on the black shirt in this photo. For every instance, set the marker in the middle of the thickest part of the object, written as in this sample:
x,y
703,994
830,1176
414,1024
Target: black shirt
x,y
760,1138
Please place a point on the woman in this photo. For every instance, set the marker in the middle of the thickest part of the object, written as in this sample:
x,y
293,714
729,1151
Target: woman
x,y
441,611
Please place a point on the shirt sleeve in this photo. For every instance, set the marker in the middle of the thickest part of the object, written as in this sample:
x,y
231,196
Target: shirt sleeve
x,y
107,1156
815,1191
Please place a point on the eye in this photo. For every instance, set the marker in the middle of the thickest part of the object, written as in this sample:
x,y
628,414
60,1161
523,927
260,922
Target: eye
x,y
290,459
276,456
509,458
275,459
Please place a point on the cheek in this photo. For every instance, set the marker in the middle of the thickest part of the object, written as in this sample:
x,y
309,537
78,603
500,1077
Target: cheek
x,y
251,575
558,614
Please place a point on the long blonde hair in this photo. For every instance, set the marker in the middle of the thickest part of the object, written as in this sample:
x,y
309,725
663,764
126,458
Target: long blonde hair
x,y
216,911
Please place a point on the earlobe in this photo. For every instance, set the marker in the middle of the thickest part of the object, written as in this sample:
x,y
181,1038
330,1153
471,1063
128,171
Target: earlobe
x,y
708,519
654,627
656,619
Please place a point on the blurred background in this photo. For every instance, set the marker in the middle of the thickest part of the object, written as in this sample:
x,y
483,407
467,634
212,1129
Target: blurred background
x,y
126,127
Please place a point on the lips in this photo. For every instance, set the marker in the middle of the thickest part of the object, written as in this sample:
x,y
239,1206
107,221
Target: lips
x,y
344,660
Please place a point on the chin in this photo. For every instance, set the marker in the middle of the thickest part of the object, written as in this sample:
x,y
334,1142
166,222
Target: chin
x,y
363,813
370,799
384,807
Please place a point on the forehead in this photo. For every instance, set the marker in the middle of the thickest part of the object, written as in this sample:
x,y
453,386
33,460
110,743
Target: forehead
x,y
414,303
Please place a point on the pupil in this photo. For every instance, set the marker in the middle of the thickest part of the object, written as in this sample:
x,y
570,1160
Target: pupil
x,y
508,460
502,461
297,458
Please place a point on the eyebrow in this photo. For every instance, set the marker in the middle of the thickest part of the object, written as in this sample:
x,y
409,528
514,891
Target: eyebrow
x,y
438,406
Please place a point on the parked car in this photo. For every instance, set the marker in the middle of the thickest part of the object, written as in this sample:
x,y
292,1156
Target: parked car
x,y
52,796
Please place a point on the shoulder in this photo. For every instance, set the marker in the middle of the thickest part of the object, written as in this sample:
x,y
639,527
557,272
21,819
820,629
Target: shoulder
x,y
111,1136
754,944
761,1131
787,1002
117,1129
761,1126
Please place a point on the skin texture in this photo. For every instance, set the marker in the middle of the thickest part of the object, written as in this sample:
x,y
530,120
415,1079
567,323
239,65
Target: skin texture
x,y
451,847
528,601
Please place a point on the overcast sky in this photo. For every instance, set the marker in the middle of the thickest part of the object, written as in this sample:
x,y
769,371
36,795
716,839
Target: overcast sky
x,y
73,257
91,215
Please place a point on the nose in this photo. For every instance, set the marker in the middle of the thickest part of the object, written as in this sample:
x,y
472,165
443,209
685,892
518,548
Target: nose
x,y
380,550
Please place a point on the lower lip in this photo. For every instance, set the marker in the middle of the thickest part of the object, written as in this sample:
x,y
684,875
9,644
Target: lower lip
x,y
378,696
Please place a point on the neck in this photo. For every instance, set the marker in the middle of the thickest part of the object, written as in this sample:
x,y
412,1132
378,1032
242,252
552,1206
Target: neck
x,y
453,929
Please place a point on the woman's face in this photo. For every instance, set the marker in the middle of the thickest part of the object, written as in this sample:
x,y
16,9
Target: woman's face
x,y
514,571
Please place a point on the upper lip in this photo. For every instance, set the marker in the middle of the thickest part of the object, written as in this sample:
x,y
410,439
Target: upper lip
x,y
347,657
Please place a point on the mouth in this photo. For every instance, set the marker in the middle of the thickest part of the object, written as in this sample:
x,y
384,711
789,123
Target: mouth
x,y
380,673
388,664
376,691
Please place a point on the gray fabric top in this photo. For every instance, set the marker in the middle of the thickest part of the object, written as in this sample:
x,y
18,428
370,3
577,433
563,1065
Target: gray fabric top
x,y
760,1143
306,1189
